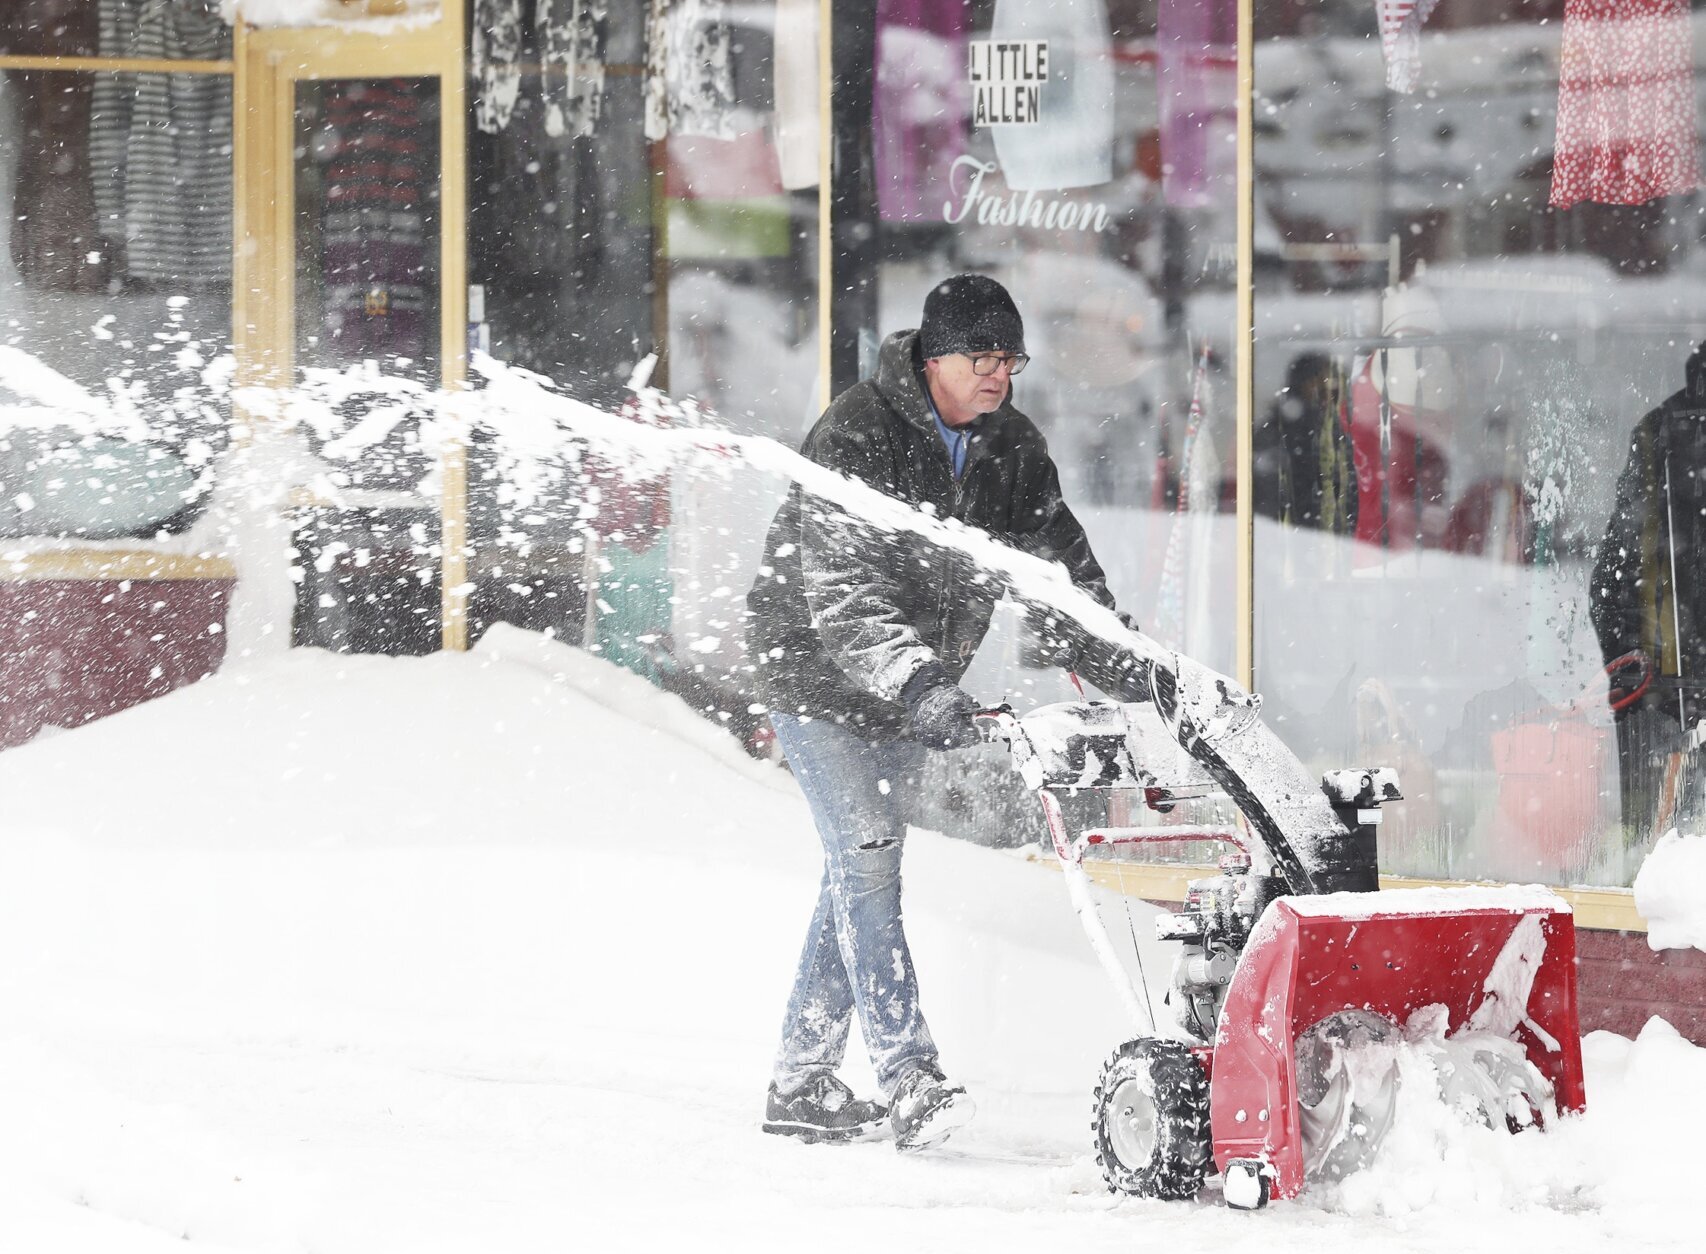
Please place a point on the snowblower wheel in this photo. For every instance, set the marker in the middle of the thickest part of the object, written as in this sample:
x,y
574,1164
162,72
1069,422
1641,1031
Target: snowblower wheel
x,y
1151,1121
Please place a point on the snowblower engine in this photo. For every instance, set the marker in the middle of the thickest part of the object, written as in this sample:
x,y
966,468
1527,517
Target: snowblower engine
x,y
1296,977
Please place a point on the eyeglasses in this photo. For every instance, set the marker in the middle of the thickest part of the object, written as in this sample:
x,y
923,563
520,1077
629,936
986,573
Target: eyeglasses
x,y
989,363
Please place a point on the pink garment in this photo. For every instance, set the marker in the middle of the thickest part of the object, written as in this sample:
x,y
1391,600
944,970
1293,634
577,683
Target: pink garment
x,y
1400,39
1196,70
1626,117
921,108
1401,487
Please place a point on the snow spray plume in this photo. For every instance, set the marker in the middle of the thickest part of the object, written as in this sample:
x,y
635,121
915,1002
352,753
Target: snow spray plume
x,y
540,437
529,415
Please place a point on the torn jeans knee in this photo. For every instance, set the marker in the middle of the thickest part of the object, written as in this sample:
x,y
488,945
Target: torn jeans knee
x,y
871,866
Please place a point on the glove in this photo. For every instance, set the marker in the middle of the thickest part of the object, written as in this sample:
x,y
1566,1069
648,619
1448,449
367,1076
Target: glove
x,y
940,709
1128,621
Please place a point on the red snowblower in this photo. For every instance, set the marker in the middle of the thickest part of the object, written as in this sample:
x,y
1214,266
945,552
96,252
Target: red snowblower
x,y
1297,981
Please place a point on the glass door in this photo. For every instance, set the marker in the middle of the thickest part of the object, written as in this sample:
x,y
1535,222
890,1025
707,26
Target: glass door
x,y
367,350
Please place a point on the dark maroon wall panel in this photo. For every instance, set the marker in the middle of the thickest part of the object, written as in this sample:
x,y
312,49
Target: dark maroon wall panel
x,y
73,650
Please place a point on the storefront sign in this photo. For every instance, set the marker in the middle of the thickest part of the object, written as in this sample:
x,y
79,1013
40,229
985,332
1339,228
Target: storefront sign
x,y
1007,77
1057,213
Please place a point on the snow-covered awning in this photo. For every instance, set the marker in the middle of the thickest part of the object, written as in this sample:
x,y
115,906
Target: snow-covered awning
x,y
330,12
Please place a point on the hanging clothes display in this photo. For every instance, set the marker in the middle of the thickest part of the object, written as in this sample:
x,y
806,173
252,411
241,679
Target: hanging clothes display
x,y
689,69
1072,144
160,144
797,104
571,45
1196,72
1401,40
52,238
495,57
571,60
373,248
918,118
1626,110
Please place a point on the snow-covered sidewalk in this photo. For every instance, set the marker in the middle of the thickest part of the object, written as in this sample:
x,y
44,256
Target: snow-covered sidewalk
x,y
487,953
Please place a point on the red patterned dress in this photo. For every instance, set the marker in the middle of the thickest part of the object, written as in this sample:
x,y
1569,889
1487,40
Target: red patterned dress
x,y
1626,116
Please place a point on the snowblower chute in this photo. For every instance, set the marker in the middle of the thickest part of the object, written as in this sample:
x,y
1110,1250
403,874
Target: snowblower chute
x,y
1498,963
1297,981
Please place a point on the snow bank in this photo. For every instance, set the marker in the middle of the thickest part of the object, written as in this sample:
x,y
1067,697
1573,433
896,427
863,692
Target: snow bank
x,y
1670,891
1609,1161
489,951
355,953
625,693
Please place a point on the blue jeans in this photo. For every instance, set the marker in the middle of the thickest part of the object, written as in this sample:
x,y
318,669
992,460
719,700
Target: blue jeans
x,y
856,957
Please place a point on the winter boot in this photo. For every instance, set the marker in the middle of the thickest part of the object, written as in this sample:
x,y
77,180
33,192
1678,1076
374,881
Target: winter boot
x,y
824,1109
926,1109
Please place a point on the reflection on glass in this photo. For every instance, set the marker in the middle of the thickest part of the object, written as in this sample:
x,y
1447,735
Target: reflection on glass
x,y
115,300
1465,300
1081,153
367,323
627,199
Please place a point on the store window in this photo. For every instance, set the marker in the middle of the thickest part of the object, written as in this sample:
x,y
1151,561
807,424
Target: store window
x,y
644,181
115,272
1083,153
1479,247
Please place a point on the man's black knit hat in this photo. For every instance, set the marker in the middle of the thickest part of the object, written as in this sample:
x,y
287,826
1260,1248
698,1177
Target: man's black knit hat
x,y
970,313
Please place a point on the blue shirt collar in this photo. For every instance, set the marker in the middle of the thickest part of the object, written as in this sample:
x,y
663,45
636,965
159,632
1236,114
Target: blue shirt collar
x,y
954,439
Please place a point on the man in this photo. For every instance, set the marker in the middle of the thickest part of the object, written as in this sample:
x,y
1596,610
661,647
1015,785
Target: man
x,y
859,638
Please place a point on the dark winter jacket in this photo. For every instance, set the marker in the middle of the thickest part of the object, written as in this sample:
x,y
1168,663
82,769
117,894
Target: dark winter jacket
x,y
843,614
1657,526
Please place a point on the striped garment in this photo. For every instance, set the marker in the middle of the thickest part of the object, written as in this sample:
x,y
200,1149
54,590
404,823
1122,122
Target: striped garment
x,y
380,169
160,145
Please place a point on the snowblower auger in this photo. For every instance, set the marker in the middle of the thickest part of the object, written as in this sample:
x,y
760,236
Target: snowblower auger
x,y
1294,969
